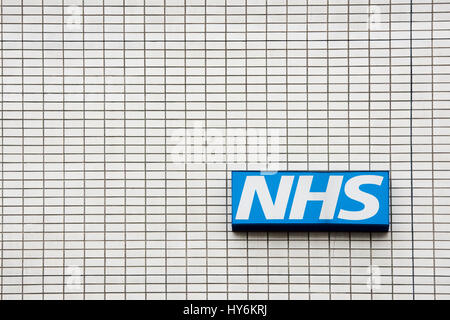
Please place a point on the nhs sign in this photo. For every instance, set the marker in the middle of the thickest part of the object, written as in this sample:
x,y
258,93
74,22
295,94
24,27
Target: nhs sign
x,y
311,201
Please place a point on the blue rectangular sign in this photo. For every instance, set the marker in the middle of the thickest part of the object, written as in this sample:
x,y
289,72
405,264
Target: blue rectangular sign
x,y
310,201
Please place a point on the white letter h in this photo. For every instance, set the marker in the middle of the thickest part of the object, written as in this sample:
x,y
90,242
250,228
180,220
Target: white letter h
x,y
303,195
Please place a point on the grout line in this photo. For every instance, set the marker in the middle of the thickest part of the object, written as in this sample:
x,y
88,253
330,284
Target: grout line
x,y
227,207
84,154
330,250
265,113
23,155
307,135
145,150
370,273
43,148
348,138
63,150
390,148
105,194
432,152
165,153
287,141
124,146
186,261
206,146
246,136
3,152
411,145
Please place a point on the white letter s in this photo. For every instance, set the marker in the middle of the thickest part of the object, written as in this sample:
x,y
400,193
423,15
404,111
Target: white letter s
x,y
371,204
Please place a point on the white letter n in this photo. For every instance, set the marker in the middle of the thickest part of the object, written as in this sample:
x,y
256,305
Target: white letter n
x,y
257,184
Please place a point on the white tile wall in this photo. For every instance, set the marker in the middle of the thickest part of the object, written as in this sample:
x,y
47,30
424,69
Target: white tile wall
x,y
98,97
